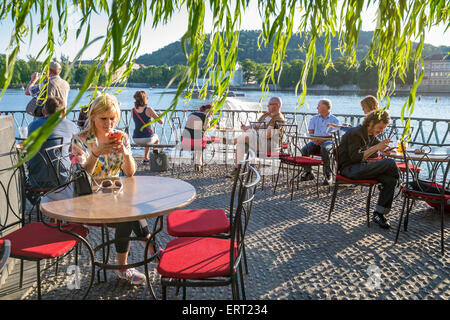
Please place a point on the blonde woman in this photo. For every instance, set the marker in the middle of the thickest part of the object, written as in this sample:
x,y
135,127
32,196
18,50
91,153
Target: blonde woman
x,y
368,104
102,156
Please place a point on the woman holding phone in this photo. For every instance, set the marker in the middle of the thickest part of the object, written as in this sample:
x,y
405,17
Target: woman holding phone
x,y
103,152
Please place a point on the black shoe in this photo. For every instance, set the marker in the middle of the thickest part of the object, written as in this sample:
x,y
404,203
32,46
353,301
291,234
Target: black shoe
x,y
233,173
307,177
381,220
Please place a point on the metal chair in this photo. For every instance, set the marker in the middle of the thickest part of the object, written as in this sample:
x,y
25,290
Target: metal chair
x,y
35,188
207,222
178,136
267,154
212,261
292,159
435,190
34,241
340,180
5,251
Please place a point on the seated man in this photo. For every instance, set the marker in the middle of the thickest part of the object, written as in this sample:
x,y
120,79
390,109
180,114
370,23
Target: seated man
x,y
360,143
259,139
318,126
41,174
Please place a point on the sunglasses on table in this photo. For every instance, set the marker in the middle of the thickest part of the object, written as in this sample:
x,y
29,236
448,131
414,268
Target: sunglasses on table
x,y
110,186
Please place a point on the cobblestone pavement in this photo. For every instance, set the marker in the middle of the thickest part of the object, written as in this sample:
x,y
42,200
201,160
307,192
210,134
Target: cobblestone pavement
x,y
295,253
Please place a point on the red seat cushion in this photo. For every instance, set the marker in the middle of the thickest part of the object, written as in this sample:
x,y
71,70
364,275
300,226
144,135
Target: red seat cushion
x,y
195,258
197,222
402,166
367,181
194,143
214,139
436,197
301,160
375,159
276,154
36,240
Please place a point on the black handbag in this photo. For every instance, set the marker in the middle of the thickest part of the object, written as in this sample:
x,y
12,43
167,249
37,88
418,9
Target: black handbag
x,y
31,106
81,182
427,187
159,161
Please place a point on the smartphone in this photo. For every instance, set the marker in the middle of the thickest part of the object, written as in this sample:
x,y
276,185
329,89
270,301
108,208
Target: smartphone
x,y
117,135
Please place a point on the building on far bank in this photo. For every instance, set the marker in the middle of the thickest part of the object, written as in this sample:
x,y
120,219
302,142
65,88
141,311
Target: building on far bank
x,y
436,76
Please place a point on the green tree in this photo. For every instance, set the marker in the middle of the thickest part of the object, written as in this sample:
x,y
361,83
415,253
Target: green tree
x,y
366,77
80,73
342,73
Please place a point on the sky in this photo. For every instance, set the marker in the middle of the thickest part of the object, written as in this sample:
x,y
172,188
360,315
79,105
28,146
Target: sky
x,y
154,39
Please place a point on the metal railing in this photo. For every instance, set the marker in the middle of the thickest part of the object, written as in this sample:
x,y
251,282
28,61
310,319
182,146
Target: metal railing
x,y
433,132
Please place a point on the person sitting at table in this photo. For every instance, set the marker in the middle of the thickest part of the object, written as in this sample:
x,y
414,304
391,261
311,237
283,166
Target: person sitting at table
x,y
259,140
368,104
103,157
360,143
318,126
193,137
142,114
40,172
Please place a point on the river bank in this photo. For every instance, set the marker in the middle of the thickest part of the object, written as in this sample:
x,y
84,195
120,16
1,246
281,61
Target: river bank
x,y
317,89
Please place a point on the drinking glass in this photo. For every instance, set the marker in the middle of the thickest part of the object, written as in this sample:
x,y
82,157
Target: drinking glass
x,y
23,132
399,146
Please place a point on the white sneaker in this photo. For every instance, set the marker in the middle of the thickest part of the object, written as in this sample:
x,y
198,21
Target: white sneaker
x,y
132,275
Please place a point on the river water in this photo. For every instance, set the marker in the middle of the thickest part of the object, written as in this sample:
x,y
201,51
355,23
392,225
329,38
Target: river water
x,y
426,107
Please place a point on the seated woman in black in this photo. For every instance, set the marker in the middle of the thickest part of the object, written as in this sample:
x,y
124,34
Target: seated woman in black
x,y
193,135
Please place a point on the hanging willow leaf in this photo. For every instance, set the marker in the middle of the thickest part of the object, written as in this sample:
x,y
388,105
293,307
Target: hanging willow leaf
x,y
399,23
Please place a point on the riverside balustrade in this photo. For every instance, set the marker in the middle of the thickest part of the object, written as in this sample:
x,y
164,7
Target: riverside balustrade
x,y
433,132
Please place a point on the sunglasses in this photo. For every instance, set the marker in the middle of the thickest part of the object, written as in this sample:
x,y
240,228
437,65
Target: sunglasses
x,y
110,186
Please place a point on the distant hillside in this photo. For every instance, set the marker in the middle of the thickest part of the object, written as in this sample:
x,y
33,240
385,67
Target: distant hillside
x,y
248,49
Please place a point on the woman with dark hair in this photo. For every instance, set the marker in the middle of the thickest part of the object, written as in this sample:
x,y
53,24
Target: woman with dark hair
x,y
193,135
361,143
142,114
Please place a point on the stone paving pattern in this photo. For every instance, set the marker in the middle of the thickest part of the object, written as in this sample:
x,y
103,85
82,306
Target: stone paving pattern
x,y
294,252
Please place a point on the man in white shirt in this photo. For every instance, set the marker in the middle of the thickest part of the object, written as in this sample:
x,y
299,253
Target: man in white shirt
x,y
53,86
260,140
318,126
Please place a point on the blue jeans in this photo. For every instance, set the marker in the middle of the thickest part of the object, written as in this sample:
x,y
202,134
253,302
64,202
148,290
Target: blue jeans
x,y
385,171
324,149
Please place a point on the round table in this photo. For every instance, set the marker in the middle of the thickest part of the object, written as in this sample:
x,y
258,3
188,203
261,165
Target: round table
x,y
141,197
423,157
